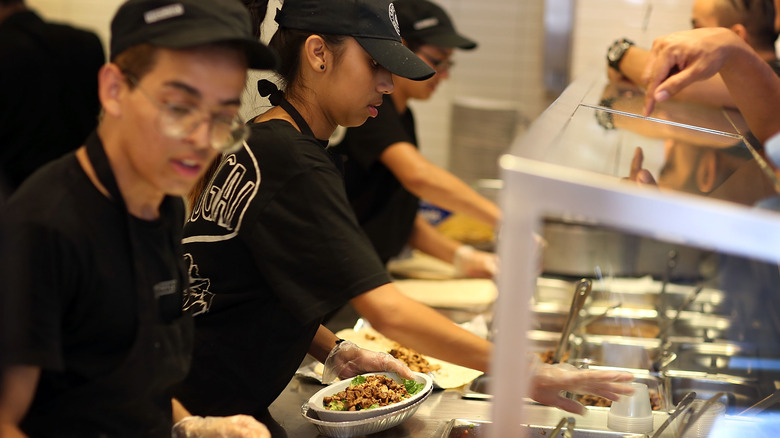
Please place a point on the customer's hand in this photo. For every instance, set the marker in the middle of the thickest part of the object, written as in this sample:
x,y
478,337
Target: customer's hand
x,y
549,380
236,426
680,58
470,262
348,360
638,174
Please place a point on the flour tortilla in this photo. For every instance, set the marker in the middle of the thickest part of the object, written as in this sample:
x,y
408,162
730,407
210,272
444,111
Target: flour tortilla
x,y
471,293
448,376
421,266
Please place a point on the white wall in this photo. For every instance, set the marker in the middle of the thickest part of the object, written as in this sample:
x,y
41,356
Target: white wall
x,y
94,15
506,66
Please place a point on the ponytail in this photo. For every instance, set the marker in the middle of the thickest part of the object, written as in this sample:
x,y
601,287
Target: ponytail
x,y
257,10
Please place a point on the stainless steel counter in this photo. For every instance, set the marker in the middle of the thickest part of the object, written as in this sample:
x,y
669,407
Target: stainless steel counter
x,y
433,417
429,421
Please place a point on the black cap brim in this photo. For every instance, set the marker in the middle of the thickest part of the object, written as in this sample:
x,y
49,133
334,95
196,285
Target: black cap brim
x,y
451,40
396,58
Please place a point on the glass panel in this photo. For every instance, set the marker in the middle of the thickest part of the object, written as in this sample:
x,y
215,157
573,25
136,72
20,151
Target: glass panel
x,y
683,290
684,147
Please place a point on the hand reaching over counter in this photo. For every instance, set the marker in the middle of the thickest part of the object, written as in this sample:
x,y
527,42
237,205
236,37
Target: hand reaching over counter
x,y
549,380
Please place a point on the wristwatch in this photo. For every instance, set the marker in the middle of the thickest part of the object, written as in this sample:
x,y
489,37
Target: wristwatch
x,y
604,118
616,52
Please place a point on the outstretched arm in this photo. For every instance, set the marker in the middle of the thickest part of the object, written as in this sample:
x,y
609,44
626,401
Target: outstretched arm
x,y
431,182
422,328
711,91
701,53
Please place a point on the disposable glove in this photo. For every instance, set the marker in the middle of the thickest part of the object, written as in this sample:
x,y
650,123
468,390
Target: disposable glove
x,y
348,360
549,380
236,426
470,262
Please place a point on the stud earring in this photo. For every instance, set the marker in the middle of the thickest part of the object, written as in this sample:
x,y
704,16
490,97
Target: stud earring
x,y
322,66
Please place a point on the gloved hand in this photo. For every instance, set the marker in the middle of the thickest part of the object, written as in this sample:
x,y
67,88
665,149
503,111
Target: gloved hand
x,y
548,381
470,262
348,360
243,426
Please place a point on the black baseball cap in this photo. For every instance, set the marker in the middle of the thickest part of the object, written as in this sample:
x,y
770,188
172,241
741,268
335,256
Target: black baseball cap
x,y
372,23
181,24
423,21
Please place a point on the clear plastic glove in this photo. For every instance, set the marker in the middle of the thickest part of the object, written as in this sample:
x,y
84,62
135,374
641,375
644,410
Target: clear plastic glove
x,y
348,360
243,426
470,262
549,380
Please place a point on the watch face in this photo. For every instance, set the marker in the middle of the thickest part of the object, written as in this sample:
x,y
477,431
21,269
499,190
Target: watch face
x,y
616,51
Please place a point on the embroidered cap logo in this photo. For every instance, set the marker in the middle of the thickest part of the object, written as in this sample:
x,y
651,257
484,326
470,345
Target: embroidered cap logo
x,y
164,13
394,20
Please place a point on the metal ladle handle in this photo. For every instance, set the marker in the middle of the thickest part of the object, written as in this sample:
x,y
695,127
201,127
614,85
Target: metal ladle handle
x,y
681,406
581,293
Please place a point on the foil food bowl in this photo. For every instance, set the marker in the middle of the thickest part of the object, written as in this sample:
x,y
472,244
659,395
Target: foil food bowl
x,y
347,429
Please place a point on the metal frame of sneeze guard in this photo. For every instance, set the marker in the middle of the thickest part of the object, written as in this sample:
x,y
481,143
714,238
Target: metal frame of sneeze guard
x,y
533,190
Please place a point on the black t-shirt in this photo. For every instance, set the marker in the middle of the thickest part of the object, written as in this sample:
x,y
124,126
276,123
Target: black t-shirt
x,y
384,208
71,306
49,72
273,246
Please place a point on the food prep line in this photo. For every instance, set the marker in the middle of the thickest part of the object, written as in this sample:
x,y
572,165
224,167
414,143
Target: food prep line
x,y
436,417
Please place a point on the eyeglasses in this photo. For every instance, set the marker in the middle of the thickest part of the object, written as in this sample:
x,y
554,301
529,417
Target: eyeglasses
x,y
226,134
440,65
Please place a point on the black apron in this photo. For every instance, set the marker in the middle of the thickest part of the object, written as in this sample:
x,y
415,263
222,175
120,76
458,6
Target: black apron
x,y
304,127
135,398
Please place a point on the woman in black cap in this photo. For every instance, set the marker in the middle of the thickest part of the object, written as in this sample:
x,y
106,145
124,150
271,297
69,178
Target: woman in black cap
x,y
385,173
272,242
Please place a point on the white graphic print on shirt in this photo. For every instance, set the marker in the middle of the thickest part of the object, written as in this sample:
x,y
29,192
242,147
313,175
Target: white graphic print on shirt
x,y
198,297
226,199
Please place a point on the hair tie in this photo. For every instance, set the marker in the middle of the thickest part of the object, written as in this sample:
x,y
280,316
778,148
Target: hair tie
x,y
268,89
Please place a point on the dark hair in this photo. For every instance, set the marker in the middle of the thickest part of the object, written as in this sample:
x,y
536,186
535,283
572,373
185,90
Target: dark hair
x,y
287,43
757,16
137,61
10,2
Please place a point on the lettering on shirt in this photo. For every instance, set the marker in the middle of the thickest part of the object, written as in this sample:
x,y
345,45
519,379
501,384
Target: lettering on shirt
x,y
226,199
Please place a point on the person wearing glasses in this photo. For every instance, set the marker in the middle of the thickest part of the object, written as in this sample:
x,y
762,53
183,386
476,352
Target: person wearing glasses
x,y
92,332
385,173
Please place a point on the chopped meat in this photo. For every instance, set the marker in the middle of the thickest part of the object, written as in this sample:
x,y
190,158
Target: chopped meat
x,y
377,391
594,400
414,360
547,356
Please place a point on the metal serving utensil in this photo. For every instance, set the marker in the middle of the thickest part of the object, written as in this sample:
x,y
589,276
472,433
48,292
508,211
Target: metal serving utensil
x,y
581,293
664,332
682,405
569,423
762,404
694,416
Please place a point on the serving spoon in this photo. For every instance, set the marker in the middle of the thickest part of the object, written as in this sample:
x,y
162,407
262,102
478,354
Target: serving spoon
x,y
681,406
